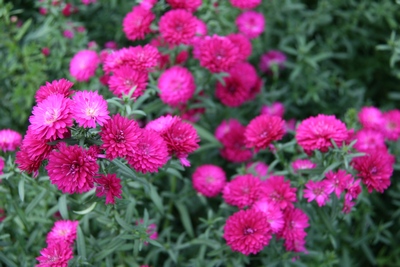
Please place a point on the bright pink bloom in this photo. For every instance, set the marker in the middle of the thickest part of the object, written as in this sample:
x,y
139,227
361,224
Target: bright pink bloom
x,y
293,231
71,170
178,26
316,191
276,109
1,166
225,127
46,51
89,108
217,53
9,140
111,45
303,164
83,65
316,133
276,190
55,255
148,4
251,24
151,230
375,169
162,123
368,139
42,11
260,168
108,185
245,4
120,136
68,34
243,44
136,24
62,231
392,124
272,212
126,79
88,2
247,231
209,180
201,28
263,130
348,204
61,86
242,191
150,152
371,118
176,86
190,5
272,57
51,117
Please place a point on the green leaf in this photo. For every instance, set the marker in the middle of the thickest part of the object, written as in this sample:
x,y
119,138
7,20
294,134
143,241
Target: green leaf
x,y
21,189
7,260
62,206
81,243
155,197
23,30
86,211
35,201
123,168
124,224
206,135
185,218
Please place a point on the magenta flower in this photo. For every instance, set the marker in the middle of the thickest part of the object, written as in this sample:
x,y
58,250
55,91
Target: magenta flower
x,y
110,186
10,140
62,231
209,180
251,24
136,24
242,191
56,254
316,191
89,108
83,65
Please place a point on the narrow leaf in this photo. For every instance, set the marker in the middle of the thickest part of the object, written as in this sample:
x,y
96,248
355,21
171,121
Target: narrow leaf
x,y
81,243
62,206
21,189
86,211
187,223
35,201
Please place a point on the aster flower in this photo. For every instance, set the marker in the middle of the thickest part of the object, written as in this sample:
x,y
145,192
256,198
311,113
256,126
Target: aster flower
x,y
303,164
316,191
316,133
162,123
120,136
55,255
71,170
151,230
260,168
209,180
61,86
368,139
217,53
348,204
51,117
89,108
243,44
263,130
225,127
150,152
201,28
276,190
62,231
276,109
251,24
136,24
242,191
272,57
176,86
108,185
392,124
245,4
189,5
9,140
293,230
371,118
126,79
247,231
272,212
178,26
83,65
375,169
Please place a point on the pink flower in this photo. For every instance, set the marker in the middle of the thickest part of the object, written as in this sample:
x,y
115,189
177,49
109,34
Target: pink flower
x,y
151,230
108,185
189,5
316,133
271,58
176,86
260,168
62,231
61,86
209,180
247,231
263,130
276,109
368,139
272,212
251,24
375,169
242,191
136,24
148,4
371,118
243,44
45,51
217,53
71,169
88,2
392,124
303,164
120,136
245,4
9,140
89,108
111,45
277,191
293,230
150,152
178,27
68,34
55,255
316,191
51,117
162,123
225,127
1,167
83,65
126,79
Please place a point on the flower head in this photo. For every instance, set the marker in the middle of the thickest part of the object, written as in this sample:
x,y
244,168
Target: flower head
x,y
61,86
242,43
293,230
371,118
178,27
263,130
260,168
9,140
245,4
136,24
316,191
108,185
126,79
209,180
63,231
276,190
251,24
392,124
1,166
189,5
276,109
83,65
89,108
55,255
272,57
242,191
303,164
272,212
368,139
247,231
